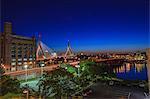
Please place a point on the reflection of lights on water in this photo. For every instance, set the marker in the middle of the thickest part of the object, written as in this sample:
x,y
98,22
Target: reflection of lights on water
x,y
127,67
139,67
114,70
119,69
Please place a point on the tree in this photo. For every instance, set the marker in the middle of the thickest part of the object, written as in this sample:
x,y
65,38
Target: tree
x,y
9,84
59,82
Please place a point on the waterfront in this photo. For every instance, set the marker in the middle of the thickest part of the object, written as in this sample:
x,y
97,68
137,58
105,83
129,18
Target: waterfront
x,y
131,71
74,49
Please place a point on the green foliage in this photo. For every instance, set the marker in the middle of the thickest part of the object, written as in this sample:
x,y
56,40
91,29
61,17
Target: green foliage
x,y
11,96
85,63
92,68
8,84
64,65
69,68
62,82
32,79
59,82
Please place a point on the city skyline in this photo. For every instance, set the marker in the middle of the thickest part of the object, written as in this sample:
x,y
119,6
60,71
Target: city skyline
x,y
90,25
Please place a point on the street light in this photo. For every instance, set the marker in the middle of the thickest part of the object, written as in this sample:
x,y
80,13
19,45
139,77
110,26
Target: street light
x,y
78,66
27,93
26,68
42,65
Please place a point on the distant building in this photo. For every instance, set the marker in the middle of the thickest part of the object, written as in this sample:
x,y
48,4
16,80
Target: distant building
x,y
16,51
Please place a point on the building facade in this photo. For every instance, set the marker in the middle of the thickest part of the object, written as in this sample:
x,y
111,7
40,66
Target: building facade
x,y
16,51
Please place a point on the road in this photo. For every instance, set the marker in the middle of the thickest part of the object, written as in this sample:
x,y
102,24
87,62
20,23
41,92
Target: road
x,y
37,69
104,91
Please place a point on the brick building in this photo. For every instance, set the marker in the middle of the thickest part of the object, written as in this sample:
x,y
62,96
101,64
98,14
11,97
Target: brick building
x,y
16,51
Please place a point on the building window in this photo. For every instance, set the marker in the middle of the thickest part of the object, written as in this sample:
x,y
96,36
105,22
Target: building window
x,y
25,59
19,63
13,59
19,59
13,55
13,63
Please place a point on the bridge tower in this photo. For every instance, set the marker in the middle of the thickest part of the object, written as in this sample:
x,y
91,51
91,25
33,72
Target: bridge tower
x,y
44,54
69,52
39,49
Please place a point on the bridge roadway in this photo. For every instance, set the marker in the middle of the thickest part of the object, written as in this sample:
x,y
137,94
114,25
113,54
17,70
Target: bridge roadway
x,y
47,68
37,69
110,59
51,67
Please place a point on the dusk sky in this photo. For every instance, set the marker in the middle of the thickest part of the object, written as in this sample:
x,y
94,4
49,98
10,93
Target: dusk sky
x,y
88,24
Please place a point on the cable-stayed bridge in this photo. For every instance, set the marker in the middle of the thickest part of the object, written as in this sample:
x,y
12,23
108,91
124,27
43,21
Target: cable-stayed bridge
x,y
44,52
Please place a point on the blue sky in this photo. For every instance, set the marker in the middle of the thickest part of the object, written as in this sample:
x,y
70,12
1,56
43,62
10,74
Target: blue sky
x,y
88,24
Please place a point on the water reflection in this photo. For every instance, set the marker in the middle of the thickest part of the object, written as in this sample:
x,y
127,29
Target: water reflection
x,y
131,71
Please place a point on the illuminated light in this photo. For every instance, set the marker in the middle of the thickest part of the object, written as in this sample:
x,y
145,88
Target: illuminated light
x,y
54,54
13,69
46,51
3,66
114,70
42,65
13,59
77,66
65,67
25,59
19,59
14,63
19,63
128,67
139,67
25,66
44,57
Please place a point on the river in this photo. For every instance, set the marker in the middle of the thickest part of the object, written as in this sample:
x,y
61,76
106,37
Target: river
x,y
131,71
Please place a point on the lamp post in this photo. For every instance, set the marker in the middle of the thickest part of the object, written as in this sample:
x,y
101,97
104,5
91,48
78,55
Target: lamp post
x,y
66,68
42,66
26,68
78,66
27,93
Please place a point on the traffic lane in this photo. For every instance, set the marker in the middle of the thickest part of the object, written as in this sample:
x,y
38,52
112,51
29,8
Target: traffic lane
x,y
32,70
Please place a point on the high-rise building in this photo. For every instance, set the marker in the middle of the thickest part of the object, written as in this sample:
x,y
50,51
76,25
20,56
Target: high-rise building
x,y
16,51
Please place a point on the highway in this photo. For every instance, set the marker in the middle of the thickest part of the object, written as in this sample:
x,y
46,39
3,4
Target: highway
x,y
37,69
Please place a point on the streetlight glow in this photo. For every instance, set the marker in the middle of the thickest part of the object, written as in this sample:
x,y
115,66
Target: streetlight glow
x,y
42,67
78,66
26,68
